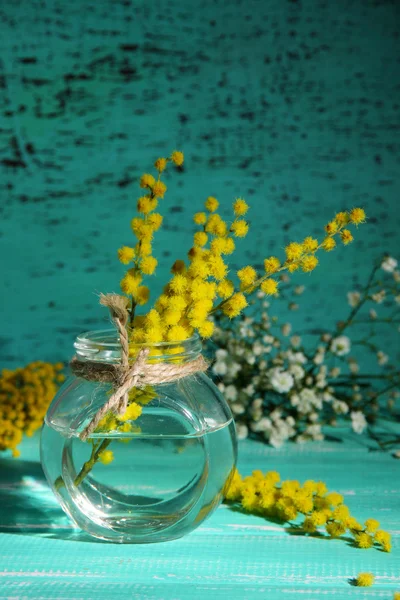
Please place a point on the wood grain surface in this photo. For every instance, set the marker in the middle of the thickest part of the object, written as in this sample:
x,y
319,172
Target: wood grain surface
x,y
233,555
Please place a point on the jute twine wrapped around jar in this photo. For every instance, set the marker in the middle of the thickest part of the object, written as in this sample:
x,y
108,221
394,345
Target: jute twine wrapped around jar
x,y
126,376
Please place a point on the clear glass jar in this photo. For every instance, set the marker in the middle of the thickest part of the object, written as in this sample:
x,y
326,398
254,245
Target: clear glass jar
x,y
165,476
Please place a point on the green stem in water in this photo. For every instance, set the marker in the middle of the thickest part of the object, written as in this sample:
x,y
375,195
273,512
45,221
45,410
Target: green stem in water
x,y
88,465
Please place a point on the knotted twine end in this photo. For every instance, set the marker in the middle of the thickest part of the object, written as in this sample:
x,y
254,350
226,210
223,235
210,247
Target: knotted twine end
x,y
125,376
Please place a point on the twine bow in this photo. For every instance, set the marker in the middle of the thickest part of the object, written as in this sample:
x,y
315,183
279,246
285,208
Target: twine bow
x,y
124,376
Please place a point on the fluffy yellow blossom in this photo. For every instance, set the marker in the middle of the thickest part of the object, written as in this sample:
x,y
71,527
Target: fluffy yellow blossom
x,y
216,225
160,164
148,265
396,596
211,204
206,330
126,254
294,251
199,268
159,188
240,228
240,207
229,245
365,579
346,236
200,218
334,498
144,204
335,529
130,283
178,284
271,264
25,395
106,457
177,333
177,158
342,218
329,244
371,525
132,412
142,295
310,244
308,525
331,227
247,276
234,306
357,216
218,269
153,318
269,287
144,248
147,181
363,540
225,288
200,238
153,334
308,263
155,221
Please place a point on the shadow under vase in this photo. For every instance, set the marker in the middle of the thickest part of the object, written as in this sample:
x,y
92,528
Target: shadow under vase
x,y
28,506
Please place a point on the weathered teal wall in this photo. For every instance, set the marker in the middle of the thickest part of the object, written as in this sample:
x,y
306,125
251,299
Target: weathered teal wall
x,y
294,105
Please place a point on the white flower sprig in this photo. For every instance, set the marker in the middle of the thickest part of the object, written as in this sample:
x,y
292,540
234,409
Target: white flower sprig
x,y
281,388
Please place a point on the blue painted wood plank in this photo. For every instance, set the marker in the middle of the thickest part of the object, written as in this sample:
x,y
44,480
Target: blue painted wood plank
x,y
235,554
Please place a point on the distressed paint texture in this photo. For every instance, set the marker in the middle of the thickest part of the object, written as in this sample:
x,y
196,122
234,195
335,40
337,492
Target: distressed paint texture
x,y
233,555
294,105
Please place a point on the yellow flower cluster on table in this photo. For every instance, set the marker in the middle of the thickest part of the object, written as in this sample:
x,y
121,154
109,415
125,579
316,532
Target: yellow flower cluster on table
x,y
266,495
364,579
200,286
25,395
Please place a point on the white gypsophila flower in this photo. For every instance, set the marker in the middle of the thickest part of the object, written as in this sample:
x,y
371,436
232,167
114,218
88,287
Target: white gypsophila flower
x,y
268,339
221,354
295,340
340,407
396,276
340,345
354,367
263,424
326,337
353,298
294,306
241,431
314,431
319,358
382,358
299,289
220,368
379,297
257,348
373,314
358,421
297,371
296,357
308,400
286,329
397,299
262,365
335,372
237,408
250,359
231,393
327,396
257,403
233,369
281,381
276,414
249,390
389,264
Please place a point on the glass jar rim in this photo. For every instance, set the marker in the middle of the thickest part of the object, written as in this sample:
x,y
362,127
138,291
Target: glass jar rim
x,y
104,345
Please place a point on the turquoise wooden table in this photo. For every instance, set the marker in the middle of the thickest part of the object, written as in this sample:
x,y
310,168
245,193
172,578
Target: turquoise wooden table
x,y
232,556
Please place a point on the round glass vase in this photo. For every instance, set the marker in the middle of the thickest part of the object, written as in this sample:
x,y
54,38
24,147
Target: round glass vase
x,y
152,479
